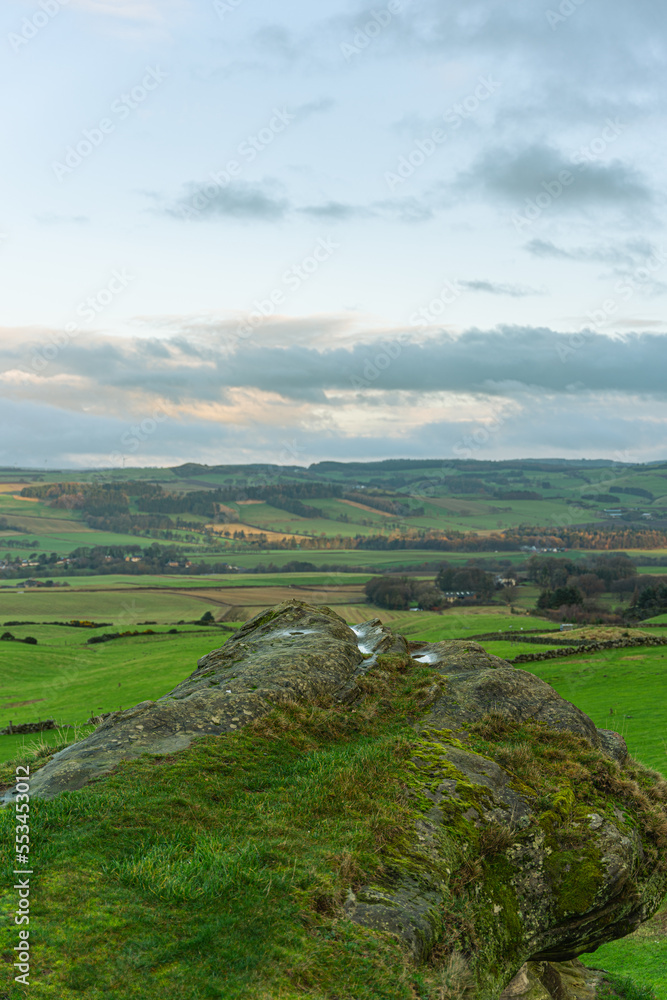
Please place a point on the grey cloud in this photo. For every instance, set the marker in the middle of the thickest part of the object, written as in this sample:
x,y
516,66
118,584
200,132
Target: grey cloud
x,y
238,200
520,173
487,362
408,210
633,252
504,361
335,210
633,261
500,288
319,107
75,440
263,203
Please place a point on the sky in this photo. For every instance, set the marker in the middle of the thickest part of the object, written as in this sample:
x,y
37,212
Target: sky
x,y
241,231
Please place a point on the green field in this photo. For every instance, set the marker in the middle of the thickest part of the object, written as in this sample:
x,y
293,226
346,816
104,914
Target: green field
x,y
64,679
620,689
462,623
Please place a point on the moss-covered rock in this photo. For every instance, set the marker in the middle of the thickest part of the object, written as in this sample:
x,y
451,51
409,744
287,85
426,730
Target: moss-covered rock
x,y
531,837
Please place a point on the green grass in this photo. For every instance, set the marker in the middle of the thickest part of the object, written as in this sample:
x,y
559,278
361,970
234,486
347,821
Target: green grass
x,y
339,557
462,623
234,897
68,682
264,516
238,896
642,955
630,683
494,515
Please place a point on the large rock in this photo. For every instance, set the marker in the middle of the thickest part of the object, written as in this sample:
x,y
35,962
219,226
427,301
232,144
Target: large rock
x,y
534,839
554,981
290,652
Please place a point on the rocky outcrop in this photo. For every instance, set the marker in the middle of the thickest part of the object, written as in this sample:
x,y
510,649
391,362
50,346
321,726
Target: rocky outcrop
x,y
534,837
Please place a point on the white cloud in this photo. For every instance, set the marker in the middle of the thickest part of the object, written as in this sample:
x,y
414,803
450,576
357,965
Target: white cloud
x,y
129,10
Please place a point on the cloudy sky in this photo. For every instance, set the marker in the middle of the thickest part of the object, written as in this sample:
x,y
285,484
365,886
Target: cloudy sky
x,y
243,231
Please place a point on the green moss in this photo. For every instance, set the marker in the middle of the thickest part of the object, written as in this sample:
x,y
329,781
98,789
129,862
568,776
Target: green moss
x,y
576,877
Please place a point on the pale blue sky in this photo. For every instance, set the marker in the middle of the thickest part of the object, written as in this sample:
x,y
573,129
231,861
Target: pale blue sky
x,y
474,184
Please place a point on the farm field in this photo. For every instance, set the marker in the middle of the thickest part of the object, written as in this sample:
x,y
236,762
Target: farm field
x,y
202,582
462,623
115,606
620,689
163,604
65,679
475,515
264,516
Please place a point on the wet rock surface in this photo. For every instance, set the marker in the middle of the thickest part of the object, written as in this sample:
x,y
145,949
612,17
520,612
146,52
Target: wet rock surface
x,y
537,881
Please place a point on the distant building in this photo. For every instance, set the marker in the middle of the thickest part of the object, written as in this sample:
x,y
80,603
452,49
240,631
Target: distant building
x,y
458,595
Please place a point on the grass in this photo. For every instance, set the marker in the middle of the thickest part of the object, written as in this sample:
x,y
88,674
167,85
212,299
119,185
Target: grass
x,y
263,516
136,943
236,897
69,682
644,954
462,623
239,896
104,605
620,689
